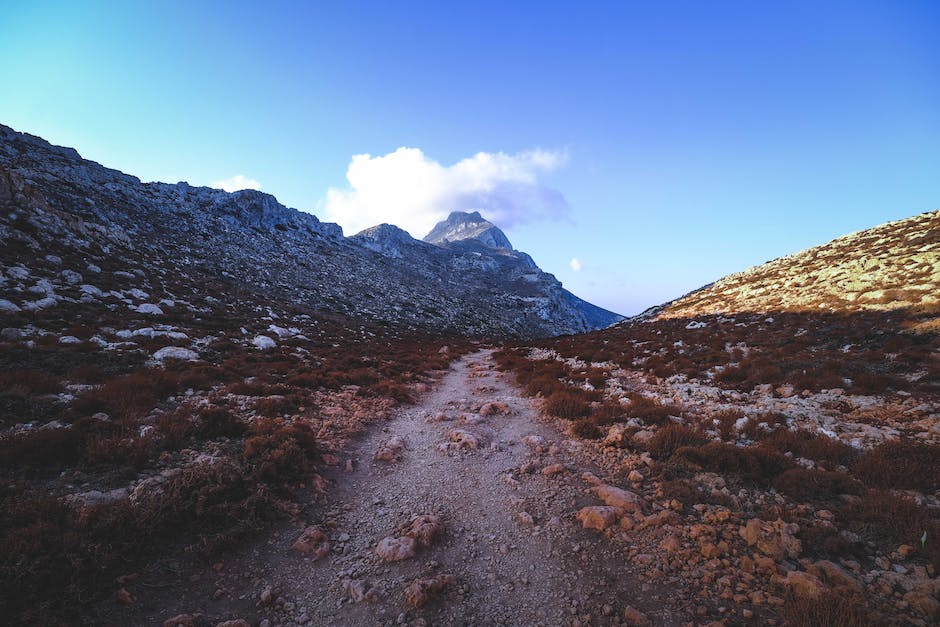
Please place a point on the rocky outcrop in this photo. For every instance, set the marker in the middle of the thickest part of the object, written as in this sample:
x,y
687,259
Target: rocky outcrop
x,y
460,226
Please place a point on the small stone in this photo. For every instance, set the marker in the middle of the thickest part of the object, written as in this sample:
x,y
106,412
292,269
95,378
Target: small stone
x,y
553,469
598,517
312,540
392,549
633,616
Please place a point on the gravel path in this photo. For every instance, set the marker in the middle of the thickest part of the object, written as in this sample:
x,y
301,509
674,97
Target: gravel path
x,y
509,539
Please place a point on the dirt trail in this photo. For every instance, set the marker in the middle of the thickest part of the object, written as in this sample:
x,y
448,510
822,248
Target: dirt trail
x,y
509,571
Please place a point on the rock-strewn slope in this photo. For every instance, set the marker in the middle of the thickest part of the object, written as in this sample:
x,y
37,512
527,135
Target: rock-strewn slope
x,y
890,266
248,240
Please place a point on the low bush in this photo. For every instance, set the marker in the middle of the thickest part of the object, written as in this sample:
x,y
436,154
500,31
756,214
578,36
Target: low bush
x,y
803,484
829,609
815,446
570,403
216,422
755,464
900,464
671,437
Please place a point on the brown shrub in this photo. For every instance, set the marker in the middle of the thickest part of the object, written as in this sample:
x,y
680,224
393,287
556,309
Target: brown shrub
x,y
607,412
815,446
824,541
129,397
176,426
585,428
216,422
726,419
894,520
900,464
28,382
804,484
753,463
278,451
651,411
671,437
42,448
570,403
274,406
829,609
117,451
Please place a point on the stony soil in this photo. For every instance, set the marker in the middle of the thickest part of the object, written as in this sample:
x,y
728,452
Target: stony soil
x,y
510,538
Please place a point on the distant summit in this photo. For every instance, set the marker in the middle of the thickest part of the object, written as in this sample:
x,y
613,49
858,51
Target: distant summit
x,y
461,225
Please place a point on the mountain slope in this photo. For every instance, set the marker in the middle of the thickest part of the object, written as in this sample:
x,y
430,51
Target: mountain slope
x,y
891,266
248,240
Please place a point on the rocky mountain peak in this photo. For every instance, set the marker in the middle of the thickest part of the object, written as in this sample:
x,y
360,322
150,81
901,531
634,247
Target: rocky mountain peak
x,y
463,225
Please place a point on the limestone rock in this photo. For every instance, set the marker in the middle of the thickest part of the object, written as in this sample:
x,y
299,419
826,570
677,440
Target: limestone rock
x,y
598,517
395,549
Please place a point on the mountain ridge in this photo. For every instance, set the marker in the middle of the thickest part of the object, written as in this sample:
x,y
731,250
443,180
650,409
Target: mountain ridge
x,y
249,239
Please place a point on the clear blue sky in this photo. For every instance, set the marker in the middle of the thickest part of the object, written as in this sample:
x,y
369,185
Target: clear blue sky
x,y
701,137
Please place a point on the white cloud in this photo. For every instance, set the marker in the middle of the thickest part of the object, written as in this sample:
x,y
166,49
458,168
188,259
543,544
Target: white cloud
x,y
410,190
237,182
575,264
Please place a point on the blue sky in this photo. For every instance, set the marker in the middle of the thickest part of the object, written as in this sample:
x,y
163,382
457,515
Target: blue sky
x,y
663,145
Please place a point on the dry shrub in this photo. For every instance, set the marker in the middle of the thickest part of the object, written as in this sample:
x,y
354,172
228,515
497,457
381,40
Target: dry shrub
x,y
43,448
570,403
682,490
607,412
216,422
726,419
755,464
273,406
585,428
900,464
388,388
894,520
815,446
824,541
829,609
651,411
280,451
804,484
671,437
176,426
27,382
117,451
129,397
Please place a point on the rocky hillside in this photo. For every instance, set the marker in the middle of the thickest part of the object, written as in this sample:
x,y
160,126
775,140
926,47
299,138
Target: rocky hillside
x,y
59,203
891,266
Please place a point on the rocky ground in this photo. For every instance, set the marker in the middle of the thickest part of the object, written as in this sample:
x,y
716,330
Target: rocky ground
x,y
515,532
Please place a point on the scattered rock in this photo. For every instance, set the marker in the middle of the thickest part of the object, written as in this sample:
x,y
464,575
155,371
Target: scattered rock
x,y
420,591
553,469
424,528
314,541
175,352
618,497
494,409
391,549
263,342
525,519
633,616
358,590
598,517
183,620
463,439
